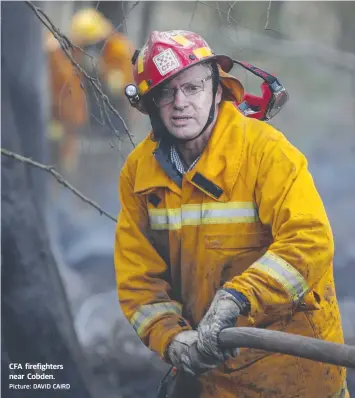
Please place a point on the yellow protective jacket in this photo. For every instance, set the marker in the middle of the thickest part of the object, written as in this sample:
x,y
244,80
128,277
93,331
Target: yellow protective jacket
x,y
68,100
116,66
247,217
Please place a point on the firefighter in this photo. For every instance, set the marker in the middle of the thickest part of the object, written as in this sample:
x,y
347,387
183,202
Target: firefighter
x,y
221,225
112,50
108,57
68,105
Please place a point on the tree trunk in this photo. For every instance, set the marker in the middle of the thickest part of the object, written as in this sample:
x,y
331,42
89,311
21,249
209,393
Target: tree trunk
x,y
37,326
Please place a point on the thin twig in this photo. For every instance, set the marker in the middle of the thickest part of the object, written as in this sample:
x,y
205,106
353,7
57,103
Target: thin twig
x,y
229,12
193,14
266,27
226,29
219,12
58,177
116,28
224,13
268,16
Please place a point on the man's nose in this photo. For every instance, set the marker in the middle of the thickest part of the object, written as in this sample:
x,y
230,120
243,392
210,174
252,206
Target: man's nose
x,y
180,100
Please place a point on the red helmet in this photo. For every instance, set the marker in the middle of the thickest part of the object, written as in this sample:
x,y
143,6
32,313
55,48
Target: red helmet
x,y
165,54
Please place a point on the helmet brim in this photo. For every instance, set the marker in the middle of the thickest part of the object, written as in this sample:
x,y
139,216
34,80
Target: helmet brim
x,y
233,89
225,62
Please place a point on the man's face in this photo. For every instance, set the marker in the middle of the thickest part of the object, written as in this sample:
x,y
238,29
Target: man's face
x,y
185,102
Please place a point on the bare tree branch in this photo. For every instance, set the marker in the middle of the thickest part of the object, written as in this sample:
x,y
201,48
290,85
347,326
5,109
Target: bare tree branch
x,y
58,177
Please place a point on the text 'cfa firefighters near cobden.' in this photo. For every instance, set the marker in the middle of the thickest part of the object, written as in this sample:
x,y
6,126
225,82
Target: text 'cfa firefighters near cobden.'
x,y
35,376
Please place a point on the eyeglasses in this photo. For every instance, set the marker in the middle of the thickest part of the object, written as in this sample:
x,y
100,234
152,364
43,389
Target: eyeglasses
x,y
166,96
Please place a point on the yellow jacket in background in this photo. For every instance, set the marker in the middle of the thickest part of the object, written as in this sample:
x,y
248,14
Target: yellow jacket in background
x,y
116,65
247,216
68,100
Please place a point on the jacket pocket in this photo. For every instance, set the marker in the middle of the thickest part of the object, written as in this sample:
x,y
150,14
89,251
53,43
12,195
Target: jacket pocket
x,y
238,241
232,254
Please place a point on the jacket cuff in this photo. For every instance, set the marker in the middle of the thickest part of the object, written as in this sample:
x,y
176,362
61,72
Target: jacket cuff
x,y
241,300
163,333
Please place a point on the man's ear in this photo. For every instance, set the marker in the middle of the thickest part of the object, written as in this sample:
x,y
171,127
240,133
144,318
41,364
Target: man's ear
x,y
219,94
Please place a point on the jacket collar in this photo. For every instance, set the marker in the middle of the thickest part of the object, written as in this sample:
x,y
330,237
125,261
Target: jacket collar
x,y
217,169
154,169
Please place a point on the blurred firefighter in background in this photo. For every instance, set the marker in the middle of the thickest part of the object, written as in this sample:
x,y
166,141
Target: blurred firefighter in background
x,y
74,104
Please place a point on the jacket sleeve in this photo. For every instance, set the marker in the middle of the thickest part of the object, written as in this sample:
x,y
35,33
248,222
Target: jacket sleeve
x,y
302,249
140,272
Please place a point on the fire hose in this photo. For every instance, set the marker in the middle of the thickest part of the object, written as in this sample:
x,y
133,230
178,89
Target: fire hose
x,y
184,385
289,344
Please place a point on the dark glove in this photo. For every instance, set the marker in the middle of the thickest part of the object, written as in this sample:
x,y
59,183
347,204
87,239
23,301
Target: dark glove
x,y
223,313
184,355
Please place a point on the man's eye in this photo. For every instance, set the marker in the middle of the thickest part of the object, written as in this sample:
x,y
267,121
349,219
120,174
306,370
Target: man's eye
x,y
192,88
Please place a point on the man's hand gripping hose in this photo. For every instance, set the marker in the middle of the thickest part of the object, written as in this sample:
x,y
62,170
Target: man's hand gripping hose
x,y
267,340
